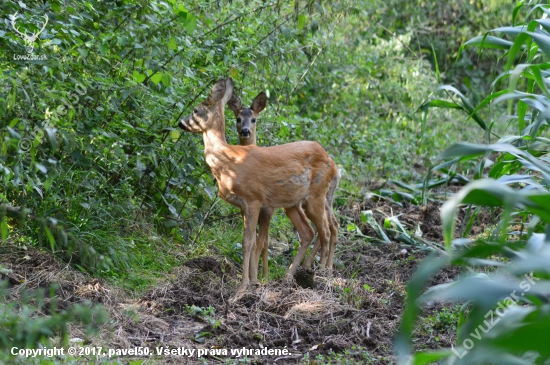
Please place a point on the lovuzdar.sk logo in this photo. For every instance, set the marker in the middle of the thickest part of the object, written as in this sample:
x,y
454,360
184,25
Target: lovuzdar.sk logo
x,y
29,40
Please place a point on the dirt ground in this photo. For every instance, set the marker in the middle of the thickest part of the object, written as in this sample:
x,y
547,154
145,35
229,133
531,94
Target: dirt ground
x,y
356,311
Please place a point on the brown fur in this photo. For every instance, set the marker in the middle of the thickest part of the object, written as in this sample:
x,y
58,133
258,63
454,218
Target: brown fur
x,y
244,117
252,177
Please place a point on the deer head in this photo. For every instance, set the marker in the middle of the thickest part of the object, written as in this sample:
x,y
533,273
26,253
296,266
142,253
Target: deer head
x,y
208,114
246,117
29,40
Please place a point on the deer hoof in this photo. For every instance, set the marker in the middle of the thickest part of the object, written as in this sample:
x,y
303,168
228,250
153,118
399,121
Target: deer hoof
x,y
238,295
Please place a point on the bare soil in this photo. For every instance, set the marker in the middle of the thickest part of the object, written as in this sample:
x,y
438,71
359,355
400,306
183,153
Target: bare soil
x,y
355,310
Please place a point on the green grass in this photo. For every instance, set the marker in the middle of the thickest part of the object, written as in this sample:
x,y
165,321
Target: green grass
x,y
223,238
150,261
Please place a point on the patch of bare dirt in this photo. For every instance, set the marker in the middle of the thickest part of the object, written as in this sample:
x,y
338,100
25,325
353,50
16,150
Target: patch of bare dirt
x,y
29,269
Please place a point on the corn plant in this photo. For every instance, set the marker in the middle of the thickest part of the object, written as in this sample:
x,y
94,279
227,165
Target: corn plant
x,y
505,314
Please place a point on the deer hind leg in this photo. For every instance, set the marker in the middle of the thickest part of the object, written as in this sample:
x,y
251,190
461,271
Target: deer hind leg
x,y
299,220
315,210
332,226
309,259
328,229
250,218
332,221
262,243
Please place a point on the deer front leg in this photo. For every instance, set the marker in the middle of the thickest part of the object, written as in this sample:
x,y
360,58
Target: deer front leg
x,y
262,242
250,219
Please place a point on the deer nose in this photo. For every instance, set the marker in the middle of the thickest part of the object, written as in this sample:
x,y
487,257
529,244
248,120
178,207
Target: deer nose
x,y
245,132
183,123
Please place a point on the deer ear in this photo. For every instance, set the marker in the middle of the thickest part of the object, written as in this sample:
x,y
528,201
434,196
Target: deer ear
x,y
235,104
259,103
221,91
228,90
217,93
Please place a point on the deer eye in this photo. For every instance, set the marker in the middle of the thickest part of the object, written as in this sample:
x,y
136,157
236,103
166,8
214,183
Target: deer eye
x,y
195,111
253,120
239,120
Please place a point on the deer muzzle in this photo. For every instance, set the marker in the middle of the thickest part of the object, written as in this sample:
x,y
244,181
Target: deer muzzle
x,y
184,124
245,132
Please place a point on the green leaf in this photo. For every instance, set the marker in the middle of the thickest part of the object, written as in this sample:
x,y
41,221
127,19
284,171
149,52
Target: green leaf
x,y
541,206
4,229
471,150
516,11
522,111
429,266
172,44
368,216
543,41
14,122
51,239
489,42
425,358
48,183
466,104
83,52
440,104
486,101
545,23
103,48
515,31
301,21
463,149
53,140
174,135
190,23
166,79
156,78
139,77
136,362
437,74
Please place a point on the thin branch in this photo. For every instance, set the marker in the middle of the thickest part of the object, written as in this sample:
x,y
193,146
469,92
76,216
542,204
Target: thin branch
x,y
216,199
400,41
305,73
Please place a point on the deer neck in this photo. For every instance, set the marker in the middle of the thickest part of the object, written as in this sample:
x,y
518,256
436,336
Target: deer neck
x,y
214,141
216,146
214,138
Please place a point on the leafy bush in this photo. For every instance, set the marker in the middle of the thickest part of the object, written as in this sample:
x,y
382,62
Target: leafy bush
x,y
24,325
506,313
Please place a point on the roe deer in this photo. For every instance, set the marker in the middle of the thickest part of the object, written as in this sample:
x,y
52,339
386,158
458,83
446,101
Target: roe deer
x,y
246,129
252,177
